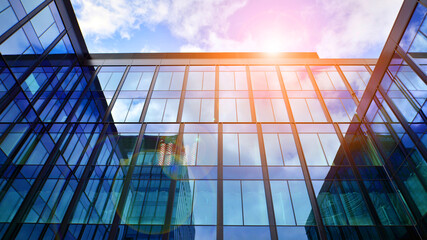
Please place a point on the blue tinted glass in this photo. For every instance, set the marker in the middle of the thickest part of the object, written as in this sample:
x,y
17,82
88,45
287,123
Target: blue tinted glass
x,y
297,233
238,233
254,203
29,5
285,173
282,203
232,203
7,18
242,173
301,203
204,203
312,148
230,149
249,149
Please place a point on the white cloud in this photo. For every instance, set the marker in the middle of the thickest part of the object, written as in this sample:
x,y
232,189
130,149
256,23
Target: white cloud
x,y
186,19
103,18
148,49
190,48
355,26
349,27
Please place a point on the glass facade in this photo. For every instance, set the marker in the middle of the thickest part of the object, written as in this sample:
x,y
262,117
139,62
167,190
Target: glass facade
x,y
221,147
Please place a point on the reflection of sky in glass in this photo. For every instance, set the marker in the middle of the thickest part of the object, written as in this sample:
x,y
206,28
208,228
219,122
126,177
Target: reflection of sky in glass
x,y
241,149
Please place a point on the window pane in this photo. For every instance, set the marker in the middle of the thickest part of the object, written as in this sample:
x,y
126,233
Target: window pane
x,y
331,144
282,203
207,149
254,204
241,81
264,113
204,206
135,110
312,149
191,110
300,110
259,81
227,110
171,110
155,110
279,109
120,109
230,149
291,81
182,203
243,110
232,203
207,110
163,81
301,202
249,149
195,81
316,110
272,150
226,81
289,149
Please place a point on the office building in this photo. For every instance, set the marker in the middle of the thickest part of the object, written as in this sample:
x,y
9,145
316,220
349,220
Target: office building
x,y
208,145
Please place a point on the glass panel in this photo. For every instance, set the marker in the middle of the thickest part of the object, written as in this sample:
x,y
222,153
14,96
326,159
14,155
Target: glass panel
x,y
254,203
301,203
312,148
204,205
232,203
279,148
282,203
200,149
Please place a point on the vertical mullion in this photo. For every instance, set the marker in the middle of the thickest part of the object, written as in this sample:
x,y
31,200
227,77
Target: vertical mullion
x,y
307,179
220,187
319,95
285,94
116,94
172,188
268,195
149,94
310,189
183,91
347,84
251,95
216,113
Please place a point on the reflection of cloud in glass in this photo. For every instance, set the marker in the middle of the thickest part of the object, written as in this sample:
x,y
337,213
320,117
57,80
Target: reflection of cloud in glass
x,y
135,110
241,146
120,109
155,110
171,110
337,110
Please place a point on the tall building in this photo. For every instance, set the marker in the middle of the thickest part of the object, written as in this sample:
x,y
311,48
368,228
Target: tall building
x,y
208,145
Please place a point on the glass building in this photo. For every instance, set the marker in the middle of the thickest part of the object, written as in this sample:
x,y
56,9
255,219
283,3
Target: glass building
x,y
208,145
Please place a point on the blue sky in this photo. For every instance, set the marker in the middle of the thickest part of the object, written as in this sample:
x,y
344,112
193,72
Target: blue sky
x,y
333,28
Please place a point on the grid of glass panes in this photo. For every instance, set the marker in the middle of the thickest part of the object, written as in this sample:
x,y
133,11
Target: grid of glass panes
x,y
256,150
